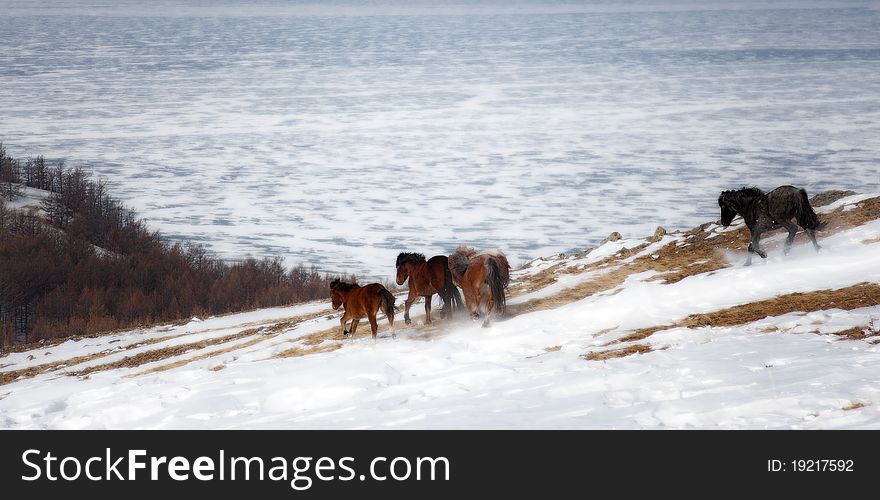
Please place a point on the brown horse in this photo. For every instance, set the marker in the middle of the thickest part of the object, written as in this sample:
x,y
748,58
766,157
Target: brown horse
x,y
482,276
360,301
425,279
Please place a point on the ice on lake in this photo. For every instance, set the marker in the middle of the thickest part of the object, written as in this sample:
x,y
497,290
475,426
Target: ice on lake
x,y
341,134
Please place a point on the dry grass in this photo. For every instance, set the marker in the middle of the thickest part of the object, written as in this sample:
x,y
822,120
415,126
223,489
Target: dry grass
x,y
298,351
265,334
183,362
270,330
47,343
618,353
33,371
855,405
851,297
829,197
154,355
856,333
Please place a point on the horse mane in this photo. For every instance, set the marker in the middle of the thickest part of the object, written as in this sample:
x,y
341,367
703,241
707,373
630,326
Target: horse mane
x,y
460,259
749,191
739,195
466,251
405,257
493,252
342,286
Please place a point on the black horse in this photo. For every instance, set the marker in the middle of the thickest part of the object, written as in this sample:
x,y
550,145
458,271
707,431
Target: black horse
x,y
768,211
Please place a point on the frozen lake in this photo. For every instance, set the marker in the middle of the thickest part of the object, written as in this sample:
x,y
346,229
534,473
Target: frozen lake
x,y
340,135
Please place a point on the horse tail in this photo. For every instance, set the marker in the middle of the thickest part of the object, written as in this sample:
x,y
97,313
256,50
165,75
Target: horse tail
x,y
387,304
804,213
450,291
495,279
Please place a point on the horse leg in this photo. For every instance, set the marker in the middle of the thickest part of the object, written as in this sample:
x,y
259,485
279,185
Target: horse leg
x,y
374,326
354,326
490,303
792,231
407,305
444,313
758,250
755,248
427,309
469,300
343,320
812,234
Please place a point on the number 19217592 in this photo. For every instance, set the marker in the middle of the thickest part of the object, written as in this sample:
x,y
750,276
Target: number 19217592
x,y
811,465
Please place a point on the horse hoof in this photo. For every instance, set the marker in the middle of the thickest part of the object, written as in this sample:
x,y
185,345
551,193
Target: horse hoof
x,y
486,324
475,316
346,334
407,321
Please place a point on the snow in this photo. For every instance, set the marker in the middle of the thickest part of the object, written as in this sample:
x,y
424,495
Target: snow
x,y
29,198
847,202
528,371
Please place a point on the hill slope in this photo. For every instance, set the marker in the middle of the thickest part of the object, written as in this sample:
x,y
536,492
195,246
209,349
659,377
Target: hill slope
x,y
670,332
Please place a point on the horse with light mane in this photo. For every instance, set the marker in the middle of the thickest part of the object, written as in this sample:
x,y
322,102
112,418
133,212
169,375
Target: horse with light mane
x,y
482,276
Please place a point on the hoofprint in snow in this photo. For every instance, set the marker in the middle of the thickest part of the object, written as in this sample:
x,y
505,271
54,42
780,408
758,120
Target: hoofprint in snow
x,y
275,368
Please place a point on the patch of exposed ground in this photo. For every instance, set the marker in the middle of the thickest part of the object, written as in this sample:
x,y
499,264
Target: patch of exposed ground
x,y
215,353
618,353
857,333
855,405
33,371
847,298
153,355
261,335
298,351
828,197
46,343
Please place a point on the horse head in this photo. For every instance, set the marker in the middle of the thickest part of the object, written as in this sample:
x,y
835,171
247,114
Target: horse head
x,y
338,290
737,202
728,212
336,299
402,260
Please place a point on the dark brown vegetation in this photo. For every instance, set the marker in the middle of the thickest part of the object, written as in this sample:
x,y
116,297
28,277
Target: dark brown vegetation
x,y
85,263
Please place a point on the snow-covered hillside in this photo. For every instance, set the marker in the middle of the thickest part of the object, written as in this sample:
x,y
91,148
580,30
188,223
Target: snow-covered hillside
x,y
667,332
